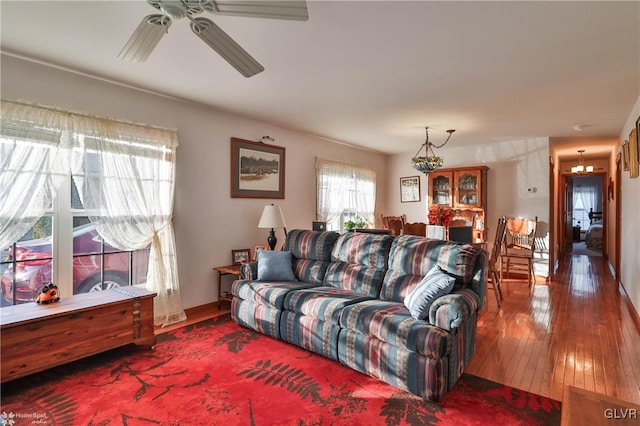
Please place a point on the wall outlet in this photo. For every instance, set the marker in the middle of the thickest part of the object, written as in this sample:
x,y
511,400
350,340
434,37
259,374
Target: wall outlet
x,y
532,189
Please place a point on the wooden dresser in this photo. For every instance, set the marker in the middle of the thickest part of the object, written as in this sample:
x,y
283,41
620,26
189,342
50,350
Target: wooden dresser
x,y
36,337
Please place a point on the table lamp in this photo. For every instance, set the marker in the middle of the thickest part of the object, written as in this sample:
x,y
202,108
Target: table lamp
x,y
272,218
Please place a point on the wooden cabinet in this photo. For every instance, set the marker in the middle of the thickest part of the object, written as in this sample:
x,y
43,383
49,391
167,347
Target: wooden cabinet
x,y
36,337
463,189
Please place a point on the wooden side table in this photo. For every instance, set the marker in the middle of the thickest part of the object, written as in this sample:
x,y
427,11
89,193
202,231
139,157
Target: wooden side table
x,y
225,270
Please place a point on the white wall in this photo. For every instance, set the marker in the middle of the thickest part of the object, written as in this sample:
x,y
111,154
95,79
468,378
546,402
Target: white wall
x,y
514,166
208,222
630,225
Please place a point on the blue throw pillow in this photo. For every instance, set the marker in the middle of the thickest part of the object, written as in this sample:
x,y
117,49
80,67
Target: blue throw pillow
x,y
435,284
275,266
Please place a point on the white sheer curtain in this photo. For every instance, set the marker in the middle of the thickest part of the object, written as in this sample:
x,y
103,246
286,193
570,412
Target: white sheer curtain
x,y
125,175
588,195
344,187
34,160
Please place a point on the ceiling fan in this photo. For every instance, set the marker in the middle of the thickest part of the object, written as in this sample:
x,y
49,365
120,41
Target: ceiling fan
x,y
149,32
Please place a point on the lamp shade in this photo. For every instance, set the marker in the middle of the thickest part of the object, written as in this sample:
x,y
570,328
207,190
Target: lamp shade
x,y
272,217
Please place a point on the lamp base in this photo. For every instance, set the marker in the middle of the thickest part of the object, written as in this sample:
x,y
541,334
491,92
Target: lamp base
x,y
272,240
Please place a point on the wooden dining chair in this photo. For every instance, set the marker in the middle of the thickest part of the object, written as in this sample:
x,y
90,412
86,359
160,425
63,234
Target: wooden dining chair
x,y
494,273
416,228
519,247
395,224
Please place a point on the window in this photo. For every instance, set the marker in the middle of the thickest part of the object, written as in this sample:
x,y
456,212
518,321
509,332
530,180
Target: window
x,y
587,196
580,215
344,191
88,204
42,256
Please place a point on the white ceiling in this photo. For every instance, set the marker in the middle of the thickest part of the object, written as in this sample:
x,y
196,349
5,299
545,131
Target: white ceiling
x,y
373,73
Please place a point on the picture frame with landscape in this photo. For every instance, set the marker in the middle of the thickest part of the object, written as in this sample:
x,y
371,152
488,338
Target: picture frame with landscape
x,y
257,169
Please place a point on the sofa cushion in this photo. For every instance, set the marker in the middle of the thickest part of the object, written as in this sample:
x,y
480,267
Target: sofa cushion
x,y
311,252
359,262
324,303
411,257
435,284
269,293
275,266
392,323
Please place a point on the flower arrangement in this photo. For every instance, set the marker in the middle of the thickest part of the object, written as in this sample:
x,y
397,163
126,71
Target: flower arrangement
x,y
440,216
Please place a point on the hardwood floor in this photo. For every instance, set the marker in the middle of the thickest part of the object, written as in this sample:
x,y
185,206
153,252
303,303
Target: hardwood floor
x,y
576,331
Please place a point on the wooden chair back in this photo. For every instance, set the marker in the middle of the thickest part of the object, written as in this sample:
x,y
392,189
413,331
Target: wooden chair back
x,y
501,232
521,233
416,228
395,224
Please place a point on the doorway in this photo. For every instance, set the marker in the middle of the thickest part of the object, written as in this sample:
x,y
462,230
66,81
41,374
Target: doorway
x,y
585,214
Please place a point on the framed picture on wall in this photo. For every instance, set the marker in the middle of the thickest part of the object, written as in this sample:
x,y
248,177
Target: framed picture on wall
x,y
634,170
409,189
257,169
625,155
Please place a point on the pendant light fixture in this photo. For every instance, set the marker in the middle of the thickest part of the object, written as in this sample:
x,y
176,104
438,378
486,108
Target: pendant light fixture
x,y
430,161
581,168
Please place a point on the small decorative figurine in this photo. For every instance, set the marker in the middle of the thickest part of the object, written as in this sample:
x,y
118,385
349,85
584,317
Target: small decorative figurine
x,y
49,294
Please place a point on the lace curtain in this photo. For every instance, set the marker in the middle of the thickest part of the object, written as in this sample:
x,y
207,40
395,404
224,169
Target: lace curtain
x,y
589,197
125,175
34,161
344,187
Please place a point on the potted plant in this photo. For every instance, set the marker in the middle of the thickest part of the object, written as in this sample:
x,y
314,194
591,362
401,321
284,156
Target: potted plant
x,y
355,222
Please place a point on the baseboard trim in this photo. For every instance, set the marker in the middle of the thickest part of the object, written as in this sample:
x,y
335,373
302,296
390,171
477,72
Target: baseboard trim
x,y
632,310
194,315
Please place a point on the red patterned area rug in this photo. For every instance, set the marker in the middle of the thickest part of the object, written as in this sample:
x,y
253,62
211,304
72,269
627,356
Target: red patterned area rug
x,y
216,372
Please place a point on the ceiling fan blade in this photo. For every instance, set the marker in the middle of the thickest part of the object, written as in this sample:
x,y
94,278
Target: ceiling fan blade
x,y
145,38
293,10
231,51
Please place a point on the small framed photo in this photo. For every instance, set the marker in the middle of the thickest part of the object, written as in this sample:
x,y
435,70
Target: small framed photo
x,y
319,225
409,189
258,247
257,169
240,256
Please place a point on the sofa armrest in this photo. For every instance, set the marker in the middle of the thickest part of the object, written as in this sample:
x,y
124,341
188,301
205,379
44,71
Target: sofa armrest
x,y
249,271
452,310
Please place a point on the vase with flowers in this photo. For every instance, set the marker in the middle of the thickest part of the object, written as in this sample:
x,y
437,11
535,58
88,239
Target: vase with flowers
x,y
440,216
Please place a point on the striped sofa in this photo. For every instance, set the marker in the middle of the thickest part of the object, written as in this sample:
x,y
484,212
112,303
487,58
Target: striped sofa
x,y
348,305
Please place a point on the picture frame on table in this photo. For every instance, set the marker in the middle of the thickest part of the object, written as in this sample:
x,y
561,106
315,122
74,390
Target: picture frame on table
x,y
410,189
258,247
257,169
240,256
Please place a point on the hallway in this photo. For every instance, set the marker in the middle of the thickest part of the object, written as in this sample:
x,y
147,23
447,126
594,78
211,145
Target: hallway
x,y
575,330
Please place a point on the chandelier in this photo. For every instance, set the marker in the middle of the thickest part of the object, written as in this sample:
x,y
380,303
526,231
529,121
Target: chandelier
x,y
581,168
430,161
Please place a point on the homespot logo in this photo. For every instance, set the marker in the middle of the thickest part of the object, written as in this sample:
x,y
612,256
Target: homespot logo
x,y
9,419
620,413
